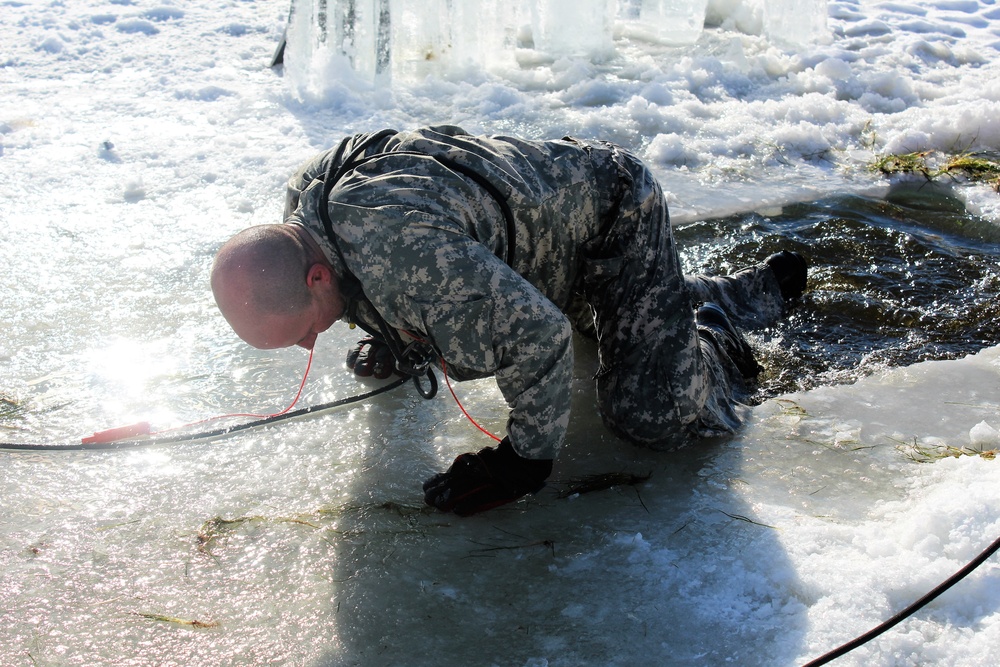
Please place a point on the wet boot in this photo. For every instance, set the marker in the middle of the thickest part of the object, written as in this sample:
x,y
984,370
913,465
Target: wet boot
x,y
715,327
791,270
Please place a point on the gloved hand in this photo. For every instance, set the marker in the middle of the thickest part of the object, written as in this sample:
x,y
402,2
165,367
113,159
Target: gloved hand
x,y
371,357
492,477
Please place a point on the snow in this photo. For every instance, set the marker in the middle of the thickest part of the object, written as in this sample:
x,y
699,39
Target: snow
x,y
136,136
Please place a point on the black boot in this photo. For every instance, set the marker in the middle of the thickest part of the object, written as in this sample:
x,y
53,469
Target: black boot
x,y
791,269
714,326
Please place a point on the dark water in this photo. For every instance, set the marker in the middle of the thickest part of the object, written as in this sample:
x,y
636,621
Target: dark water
x,y
892,282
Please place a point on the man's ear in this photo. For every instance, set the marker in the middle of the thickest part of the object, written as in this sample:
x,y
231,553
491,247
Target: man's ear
x,y
318,273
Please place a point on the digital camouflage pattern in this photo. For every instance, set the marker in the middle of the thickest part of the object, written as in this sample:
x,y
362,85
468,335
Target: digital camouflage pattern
x,y
429,247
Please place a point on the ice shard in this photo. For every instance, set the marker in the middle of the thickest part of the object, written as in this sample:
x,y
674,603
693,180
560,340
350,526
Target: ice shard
x,y
663,21
561,28
795,21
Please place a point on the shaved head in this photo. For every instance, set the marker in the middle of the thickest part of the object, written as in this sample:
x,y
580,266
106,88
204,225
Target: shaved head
x,y
266,267
271,280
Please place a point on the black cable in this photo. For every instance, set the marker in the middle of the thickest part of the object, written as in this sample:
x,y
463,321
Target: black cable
x,y
432,387
909,611
125,444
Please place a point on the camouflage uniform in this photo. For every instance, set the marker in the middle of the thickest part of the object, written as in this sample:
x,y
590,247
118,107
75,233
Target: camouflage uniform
x,y
431,249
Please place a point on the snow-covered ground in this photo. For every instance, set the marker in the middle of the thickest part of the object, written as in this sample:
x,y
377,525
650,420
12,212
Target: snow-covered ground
x,y
136,136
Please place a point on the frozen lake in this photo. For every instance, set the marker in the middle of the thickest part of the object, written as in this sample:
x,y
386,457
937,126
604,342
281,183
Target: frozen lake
x,y
137,136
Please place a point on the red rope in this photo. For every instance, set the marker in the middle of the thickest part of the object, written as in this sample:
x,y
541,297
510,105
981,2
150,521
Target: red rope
x,y
110,435
143,428
447,381
295,400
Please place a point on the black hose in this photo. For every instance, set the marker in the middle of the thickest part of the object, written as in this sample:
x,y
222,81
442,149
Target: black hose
x,y
125,444
432,387
909,611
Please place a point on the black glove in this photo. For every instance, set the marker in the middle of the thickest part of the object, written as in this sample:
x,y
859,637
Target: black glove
x,y
371,357
492,477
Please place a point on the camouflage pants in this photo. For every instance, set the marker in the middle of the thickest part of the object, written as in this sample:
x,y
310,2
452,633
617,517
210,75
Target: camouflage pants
x,y
659,383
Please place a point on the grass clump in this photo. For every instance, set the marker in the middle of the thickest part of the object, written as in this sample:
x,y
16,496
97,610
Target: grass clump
x,y
600,482
904,163
10,408
931,453
790,408
214,529
189,622
976,168
971,166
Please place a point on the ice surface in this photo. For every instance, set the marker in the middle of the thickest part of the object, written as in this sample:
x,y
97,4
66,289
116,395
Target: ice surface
x,y
134,141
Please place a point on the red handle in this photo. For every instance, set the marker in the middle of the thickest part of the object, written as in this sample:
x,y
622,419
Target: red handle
x,y
120,433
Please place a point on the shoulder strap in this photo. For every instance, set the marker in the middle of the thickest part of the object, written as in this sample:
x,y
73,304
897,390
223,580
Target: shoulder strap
x,y
412,358
336,171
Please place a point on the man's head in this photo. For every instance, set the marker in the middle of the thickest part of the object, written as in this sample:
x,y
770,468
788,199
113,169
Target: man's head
x,y
275,287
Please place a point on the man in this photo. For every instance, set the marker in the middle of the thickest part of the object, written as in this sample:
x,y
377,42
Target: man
x,y
469,251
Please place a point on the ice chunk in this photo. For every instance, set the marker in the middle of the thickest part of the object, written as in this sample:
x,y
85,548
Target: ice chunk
x,y
562,28
983,435
360,30
795,21
376,41
664,21
337,39
421,36
437,36
484,33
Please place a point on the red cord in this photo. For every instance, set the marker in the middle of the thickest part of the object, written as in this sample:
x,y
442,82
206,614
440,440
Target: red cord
x,y
142,428
447,381
295,400
110,435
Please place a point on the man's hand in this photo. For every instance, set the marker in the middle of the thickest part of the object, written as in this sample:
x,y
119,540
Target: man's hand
x,y
371,357
492,477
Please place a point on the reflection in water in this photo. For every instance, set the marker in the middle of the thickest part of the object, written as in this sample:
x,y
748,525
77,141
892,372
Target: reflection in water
x,y
892,282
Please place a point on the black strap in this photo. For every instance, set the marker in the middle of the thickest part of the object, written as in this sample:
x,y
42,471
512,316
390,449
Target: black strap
x,y
909,611
412,359
336,172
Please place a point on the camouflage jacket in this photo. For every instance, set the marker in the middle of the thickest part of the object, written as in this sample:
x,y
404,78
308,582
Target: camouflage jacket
x,y
430,247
